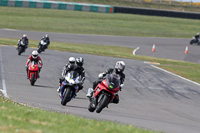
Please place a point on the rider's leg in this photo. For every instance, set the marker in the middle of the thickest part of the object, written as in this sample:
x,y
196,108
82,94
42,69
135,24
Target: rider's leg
x,y
116,99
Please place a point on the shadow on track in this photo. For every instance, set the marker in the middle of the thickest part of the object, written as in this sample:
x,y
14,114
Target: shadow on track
x,y
44,86
76,107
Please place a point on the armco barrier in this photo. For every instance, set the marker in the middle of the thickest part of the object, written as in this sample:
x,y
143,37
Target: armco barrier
x,y
57,5
154,12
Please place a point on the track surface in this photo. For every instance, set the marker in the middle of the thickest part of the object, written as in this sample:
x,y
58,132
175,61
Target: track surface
x,y
169,48
151,98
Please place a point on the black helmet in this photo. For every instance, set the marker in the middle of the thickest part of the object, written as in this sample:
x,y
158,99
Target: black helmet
x,y
79,61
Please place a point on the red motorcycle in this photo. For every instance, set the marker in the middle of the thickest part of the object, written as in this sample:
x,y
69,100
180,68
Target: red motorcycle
x,y
33,72
104,93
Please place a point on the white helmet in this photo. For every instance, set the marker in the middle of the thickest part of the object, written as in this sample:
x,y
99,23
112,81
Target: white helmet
x,y
47,36
24,36
72,60
120,66
34,54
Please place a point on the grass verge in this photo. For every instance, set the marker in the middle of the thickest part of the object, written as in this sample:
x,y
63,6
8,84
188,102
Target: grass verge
x,y
64,21
22,119
186,69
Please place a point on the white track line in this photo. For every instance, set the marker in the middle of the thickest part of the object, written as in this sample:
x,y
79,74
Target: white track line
x,y
135,50
2,76
175,75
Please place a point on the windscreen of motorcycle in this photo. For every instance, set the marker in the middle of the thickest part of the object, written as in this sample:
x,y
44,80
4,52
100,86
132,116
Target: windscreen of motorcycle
x,y
113,80
72,77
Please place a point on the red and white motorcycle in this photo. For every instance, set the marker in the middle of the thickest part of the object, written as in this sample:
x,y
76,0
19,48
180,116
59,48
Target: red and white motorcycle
x,y
33,72
104,93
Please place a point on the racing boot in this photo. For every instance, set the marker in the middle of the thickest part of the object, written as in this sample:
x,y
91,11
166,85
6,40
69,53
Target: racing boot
x,y
89,93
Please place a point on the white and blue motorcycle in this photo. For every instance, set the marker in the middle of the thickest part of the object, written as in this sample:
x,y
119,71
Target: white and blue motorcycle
x,y
70,86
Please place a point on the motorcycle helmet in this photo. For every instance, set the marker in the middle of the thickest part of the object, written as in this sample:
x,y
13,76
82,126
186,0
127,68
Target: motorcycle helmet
x,y
47,36
34,54
71,60
79,61
120,66
24,36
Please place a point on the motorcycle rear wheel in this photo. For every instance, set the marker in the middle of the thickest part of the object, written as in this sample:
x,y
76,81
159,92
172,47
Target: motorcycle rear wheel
x,y
103,103
91,108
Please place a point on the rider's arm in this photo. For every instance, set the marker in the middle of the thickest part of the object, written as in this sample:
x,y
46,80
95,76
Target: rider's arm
x,y
64,71
101,75
28,60
26,42
83,76
122,81
40,61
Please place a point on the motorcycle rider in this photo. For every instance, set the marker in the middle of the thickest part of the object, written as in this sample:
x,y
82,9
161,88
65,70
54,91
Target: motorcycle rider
x,y
197,37
45,39
24,39
72,66
118,69
79,68
68,67
34,57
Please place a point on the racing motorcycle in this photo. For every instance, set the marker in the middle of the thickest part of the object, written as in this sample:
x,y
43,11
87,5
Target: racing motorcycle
x,y
104,93
42,46
33,72
21,47
195,41
71,86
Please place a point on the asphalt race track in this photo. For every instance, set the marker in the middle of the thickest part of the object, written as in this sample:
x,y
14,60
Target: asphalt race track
x,y
170,48
151,99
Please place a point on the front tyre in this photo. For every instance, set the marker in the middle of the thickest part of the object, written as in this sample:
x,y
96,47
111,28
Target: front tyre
x,y
20,50
32,79
191,42
103,103
40,49
67,94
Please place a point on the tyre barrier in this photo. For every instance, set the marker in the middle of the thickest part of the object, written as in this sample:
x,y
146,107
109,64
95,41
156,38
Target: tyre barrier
x,y
58,5
155,12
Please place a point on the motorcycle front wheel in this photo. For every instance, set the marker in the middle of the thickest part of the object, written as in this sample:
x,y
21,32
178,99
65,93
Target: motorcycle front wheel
x,y
40,49
32,79
20,49
103,103
67,94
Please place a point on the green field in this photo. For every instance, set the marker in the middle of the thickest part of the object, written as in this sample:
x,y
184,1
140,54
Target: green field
x,y
17,118
96,23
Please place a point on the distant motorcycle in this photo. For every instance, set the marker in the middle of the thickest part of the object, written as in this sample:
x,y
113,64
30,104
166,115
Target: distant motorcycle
x,y
71,85
42,46
195,41
21,47
104,93
33,72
